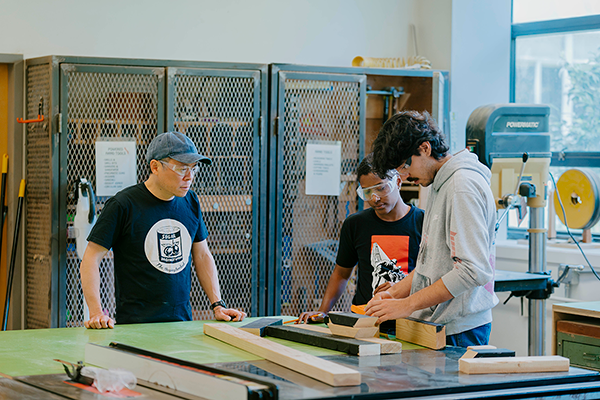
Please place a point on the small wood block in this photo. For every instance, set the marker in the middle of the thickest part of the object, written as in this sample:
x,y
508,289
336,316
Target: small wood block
x,y
258,327
423,333
487,353
513,365
317,368
356,333
354,347
352,320
387,346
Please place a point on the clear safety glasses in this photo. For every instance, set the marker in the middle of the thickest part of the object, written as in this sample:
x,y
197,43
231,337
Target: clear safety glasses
x,y
403,170
181,170
379,190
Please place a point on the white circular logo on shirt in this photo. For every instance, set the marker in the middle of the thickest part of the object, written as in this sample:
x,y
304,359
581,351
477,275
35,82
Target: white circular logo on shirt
x,y
168,245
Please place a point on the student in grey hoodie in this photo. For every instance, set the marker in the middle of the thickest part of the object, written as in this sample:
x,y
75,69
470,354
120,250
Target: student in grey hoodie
x,y
453,281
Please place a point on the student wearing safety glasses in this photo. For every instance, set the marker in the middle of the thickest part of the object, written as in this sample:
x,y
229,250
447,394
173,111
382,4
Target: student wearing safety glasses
x,y
382,240
155,229
453,281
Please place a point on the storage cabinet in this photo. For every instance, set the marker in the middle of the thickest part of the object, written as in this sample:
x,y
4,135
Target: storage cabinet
x,y
86,100
346,105
274,245
576,333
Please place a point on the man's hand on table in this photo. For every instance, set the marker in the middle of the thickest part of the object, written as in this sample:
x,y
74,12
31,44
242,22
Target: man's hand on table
x,y
229,314
307,317
99,321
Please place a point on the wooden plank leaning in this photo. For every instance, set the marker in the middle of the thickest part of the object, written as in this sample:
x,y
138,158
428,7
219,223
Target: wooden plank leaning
x,y
322,370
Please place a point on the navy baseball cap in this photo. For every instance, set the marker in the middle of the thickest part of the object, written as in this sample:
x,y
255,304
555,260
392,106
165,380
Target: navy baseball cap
x,y
177,146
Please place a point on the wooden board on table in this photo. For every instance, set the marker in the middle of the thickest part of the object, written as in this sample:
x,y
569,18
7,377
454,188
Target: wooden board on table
x,y
386,346
322,370
350,346
427,334
352,319
351,332
513,365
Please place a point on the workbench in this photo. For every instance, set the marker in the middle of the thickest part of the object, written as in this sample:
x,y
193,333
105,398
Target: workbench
x,y
414,373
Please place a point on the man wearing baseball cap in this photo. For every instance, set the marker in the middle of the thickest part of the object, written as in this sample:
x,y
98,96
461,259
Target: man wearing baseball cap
x,y
155,229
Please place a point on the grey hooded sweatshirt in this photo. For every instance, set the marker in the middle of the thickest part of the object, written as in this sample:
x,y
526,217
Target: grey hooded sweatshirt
x,y
458,245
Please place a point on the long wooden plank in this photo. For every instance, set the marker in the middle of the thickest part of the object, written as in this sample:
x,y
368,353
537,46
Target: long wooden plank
x,y
386,346
513,365
423,333
351,346
322,370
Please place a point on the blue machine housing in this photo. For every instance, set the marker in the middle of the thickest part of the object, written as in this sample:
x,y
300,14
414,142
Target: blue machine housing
x,y
509,130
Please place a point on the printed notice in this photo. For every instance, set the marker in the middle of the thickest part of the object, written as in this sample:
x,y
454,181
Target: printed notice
x,y
115,166
323,168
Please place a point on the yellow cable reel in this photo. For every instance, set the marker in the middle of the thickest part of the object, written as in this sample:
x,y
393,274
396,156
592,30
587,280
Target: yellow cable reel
x,y
580,194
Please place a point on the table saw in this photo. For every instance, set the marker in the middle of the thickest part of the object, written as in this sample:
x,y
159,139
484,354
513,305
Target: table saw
x,y
26,362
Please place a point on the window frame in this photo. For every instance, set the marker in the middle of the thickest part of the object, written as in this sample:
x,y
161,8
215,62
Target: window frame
x,y
566,25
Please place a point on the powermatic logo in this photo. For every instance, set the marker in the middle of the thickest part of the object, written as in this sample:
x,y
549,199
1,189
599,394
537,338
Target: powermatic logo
x,y
522,124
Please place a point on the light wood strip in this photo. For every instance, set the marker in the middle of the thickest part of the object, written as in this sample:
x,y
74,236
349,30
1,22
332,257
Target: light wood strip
x,y
513,365
322,370
386,346
423,333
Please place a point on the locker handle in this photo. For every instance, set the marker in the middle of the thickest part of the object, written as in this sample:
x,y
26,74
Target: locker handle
x,y
591,357
40,118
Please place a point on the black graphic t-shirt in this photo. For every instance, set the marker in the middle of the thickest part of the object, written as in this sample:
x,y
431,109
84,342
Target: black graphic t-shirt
x,y
399,240
152,242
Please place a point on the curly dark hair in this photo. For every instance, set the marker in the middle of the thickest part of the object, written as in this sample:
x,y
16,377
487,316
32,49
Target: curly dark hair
x,y
366,167
400,137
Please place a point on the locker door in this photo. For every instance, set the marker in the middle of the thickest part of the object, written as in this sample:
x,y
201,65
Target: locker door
x,y
313,108
219,109
99,103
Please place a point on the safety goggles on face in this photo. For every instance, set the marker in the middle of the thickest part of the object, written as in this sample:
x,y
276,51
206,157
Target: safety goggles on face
x,y
403,170
379,190
181,170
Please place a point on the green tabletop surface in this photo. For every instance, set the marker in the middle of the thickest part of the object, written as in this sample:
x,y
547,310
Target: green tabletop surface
x,y
32,351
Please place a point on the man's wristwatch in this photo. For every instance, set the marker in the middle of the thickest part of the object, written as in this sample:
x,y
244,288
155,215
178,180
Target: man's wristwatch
x,y
217,304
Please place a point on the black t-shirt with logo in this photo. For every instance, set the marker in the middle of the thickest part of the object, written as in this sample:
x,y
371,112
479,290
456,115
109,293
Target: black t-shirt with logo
x,y
399,240
151,241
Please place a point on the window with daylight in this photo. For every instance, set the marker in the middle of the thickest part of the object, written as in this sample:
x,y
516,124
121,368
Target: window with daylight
x,y
556,61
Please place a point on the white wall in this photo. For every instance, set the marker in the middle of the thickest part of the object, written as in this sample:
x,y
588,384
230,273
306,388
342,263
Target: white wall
x,y
510,326
480,59
313,32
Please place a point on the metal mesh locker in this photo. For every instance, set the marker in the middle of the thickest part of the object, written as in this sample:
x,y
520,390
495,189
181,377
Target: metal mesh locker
x,y
99,103
323,108
219,110
38,208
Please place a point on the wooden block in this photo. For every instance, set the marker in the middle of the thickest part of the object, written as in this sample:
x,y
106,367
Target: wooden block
x,y
322,370
578,328
487,353
356,333
258,327
387,346
513,365
423,333
354,347
352,320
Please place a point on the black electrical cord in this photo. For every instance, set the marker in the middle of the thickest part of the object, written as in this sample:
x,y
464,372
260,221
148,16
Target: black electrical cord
x,y
569,231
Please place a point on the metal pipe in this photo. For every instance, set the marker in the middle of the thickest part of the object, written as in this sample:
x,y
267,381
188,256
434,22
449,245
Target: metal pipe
x,y
537,264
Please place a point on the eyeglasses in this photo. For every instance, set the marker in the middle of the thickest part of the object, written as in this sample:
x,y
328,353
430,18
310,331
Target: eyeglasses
x,y
403,170
181,170
379,190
